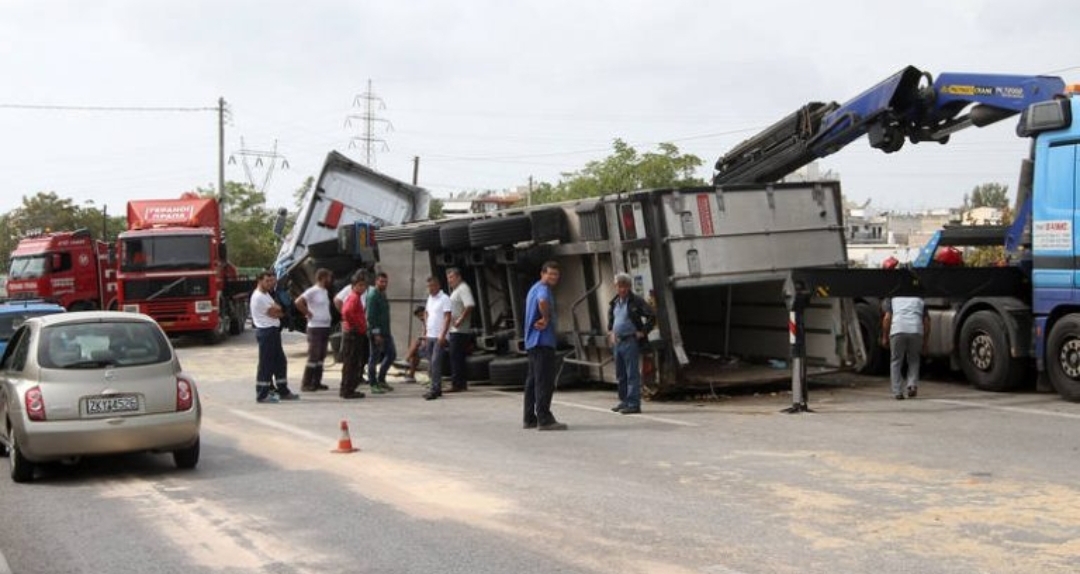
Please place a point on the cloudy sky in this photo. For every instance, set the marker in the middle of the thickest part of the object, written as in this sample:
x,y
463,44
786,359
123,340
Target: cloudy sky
x,y
487,92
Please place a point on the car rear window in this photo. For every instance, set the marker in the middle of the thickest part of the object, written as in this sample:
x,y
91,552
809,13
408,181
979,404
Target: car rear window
x,y
10,321
95,345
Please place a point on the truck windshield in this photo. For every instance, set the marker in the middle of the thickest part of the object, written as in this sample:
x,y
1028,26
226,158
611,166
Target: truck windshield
x,y
166,252
27,267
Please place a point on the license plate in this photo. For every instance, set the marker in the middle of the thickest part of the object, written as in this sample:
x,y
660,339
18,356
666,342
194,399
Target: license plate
x,y
106,405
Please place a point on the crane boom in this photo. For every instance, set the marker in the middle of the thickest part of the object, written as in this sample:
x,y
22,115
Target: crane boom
x,y
910,105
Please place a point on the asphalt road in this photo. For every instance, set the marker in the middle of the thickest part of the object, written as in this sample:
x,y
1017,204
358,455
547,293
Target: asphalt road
x,y
954,481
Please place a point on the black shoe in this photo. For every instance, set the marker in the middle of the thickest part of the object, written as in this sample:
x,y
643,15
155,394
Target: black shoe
x,y
308,389
912,392
353,395
630,411
553,425
456,390
288,396
899,396
430,396
618,408
529,425
322,387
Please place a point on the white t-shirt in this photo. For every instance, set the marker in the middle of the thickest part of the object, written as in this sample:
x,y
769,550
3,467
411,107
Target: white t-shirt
x,y
344,294
460,299
261,302
318,302
438,305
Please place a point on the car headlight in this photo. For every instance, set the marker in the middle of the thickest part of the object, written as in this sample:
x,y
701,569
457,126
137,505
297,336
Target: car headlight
x,y
131,308
203,307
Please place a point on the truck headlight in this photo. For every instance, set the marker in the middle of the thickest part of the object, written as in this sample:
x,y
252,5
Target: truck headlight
x,y
203,307
131,308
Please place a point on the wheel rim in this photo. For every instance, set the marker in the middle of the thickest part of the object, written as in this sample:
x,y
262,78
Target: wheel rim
x,y
1069,358
982,351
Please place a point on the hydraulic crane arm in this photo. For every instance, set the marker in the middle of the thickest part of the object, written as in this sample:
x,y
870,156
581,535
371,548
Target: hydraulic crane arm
x,y
908,105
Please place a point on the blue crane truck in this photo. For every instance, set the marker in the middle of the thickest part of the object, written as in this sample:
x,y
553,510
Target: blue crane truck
x,y
1002,326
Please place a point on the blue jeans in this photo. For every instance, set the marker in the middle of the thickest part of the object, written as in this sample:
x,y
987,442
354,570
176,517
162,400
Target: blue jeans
x,y
435,359
383,357
628,372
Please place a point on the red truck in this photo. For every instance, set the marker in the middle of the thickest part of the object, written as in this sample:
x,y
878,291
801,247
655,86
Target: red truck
x,y
68,267
173,267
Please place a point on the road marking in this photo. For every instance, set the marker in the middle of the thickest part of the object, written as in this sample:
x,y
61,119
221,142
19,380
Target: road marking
x,y
1020,410
584,407
295,431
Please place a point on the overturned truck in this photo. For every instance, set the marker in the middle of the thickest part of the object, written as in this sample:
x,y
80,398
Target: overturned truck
x,y
712,261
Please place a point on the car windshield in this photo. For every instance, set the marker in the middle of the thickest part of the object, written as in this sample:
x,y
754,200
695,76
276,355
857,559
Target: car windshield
x,y
97,345
27,267
165,252
9,322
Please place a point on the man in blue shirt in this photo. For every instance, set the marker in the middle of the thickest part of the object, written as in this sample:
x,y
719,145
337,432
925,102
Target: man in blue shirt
x,y
540,341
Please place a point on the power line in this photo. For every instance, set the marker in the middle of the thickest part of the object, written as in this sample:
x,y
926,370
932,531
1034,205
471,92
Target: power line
x,y
106,108
368,138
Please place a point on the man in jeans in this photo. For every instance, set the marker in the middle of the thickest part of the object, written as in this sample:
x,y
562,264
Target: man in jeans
x,y
437,311
629,321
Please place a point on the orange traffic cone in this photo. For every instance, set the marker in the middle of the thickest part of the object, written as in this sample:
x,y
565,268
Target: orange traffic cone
x,y
344,444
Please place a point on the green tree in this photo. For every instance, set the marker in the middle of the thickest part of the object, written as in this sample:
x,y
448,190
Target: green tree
x,y
988,195
624,170
435,208
249,225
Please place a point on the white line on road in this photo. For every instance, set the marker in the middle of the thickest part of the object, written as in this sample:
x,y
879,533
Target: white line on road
x,y
608,411
1020,410
296,431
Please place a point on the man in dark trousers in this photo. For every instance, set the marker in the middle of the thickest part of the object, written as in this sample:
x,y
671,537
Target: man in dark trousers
x,y
383,350
540,342
629,321
354,342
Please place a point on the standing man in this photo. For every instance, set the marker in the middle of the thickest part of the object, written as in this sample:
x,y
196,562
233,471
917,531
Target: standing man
x,y
540,341
437,310
629,321
271,375
461,307
314,303
354,343
383,351
905,329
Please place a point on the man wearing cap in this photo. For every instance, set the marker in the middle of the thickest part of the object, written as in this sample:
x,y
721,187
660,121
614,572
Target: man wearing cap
x,y
630,319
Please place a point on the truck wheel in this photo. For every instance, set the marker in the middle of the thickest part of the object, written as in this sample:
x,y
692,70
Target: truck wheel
x,y
477,367
236,320
454,235
500,231
508,371
221,331
426,238
549,224
1063,357
984,354
877,357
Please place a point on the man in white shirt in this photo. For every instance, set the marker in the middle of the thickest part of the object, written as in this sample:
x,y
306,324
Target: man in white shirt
x,y
437,327
461,307
314,304
271,375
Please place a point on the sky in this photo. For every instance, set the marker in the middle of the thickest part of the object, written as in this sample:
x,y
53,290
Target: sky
x,y
486,93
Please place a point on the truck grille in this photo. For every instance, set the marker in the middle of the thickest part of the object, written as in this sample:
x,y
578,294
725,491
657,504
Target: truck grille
x,y
139,290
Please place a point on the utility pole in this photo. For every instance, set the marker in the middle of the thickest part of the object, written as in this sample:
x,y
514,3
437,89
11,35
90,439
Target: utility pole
x,y
528,195
415,170
272,156
221,166
367,101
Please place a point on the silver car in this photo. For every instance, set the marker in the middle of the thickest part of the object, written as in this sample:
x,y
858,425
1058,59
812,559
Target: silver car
x,y
94,383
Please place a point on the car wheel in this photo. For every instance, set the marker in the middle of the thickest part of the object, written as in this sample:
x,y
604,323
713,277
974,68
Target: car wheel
x,y
187,457
22,470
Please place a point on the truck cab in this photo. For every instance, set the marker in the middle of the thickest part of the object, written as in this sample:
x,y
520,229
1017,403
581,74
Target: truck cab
x,y
70,268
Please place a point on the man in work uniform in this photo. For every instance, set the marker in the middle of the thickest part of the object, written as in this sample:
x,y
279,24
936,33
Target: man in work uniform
x,y
629,321
271,375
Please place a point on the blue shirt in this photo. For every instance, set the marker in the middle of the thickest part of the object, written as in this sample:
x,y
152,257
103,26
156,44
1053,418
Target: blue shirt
x,y
907,315
623,326
533,337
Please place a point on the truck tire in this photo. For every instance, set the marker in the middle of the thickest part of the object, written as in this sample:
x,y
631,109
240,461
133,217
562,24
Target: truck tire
x,y
236,319
221,332
454,236
477,367
984,354
508,371
877,357
1063,357
426,238
549,224
500,231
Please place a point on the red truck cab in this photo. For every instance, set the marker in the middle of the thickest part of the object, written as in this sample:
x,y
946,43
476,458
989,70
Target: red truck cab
x,y
68,267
